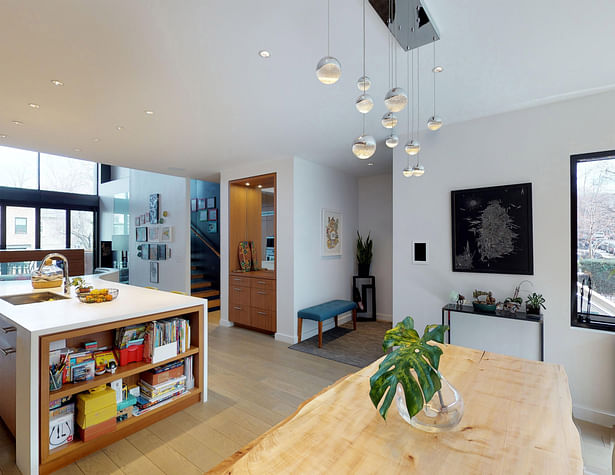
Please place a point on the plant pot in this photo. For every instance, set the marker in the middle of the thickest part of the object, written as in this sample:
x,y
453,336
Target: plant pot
x,y
532,310
364,270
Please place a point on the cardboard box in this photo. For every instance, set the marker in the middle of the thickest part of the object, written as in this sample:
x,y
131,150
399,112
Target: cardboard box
x,y
157,378
97,430
92,418
90,402
61,430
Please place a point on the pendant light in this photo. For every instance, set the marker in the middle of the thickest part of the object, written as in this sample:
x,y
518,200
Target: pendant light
x,y
328,69
434,123
396,99
392,140
364,146
364,103
389,120
412,147
407,172
364,83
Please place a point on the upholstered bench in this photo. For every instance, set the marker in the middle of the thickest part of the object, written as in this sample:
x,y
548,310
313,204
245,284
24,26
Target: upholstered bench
x,y
323,312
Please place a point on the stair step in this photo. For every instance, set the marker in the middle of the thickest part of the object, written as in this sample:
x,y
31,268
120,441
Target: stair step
x,y
204,294
213,303
201,284
194,268
197,275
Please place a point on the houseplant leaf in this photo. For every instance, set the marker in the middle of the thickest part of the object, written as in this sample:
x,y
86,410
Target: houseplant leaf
x,y
413,353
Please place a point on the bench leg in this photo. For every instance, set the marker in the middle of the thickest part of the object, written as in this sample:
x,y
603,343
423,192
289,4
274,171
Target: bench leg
x,y
335,320
354,319
319,333
299,326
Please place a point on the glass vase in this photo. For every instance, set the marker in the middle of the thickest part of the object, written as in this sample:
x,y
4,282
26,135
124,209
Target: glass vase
x,y
443,412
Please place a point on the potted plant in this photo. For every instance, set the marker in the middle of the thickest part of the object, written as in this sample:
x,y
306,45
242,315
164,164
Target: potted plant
x,y
534,302
364,254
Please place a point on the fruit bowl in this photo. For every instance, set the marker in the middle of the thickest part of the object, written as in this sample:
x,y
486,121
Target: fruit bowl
x,y
99,295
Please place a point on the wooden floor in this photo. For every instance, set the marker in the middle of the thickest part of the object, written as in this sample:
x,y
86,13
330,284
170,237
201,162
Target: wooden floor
x,y
254,381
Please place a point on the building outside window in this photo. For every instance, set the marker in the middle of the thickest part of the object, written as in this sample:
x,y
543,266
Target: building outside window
x,y
21,225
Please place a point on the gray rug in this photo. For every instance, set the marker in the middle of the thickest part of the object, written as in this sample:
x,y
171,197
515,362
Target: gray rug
x,y
357,348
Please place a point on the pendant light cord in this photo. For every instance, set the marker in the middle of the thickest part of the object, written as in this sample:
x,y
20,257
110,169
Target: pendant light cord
x,y
434,77
328,27
364,37
418,91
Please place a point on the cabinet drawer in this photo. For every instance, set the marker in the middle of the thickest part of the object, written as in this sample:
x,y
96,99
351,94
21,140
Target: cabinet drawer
x,y
239,281
263,319
8,333
263,299
263,284
8,373
239,314
239,295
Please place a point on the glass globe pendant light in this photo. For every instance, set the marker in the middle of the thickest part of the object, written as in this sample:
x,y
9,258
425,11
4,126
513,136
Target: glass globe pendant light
x,y
418,170
328,69
364,83
407,172
434,122
413,147
389,120
396,99
392,140
364,147
364,103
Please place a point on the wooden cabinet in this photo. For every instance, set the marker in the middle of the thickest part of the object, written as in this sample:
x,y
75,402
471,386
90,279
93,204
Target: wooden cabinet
x,y
8,372
252,300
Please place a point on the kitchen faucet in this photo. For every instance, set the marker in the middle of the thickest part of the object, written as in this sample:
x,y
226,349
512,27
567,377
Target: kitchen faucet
x,y
56,255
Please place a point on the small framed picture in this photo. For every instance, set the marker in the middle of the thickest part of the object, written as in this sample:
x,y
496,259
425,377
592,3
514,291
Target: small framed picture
x,y
212,214
153,252
141,234
212,227
193,204
166,234
137,221
153,234
202,203
144,219
154,276
144,251
211,202
162,252
203,215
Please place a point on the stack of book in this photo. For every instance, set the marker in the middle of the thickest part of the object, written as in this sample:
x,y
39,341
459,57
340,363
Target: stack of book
x,y
156,395
174,332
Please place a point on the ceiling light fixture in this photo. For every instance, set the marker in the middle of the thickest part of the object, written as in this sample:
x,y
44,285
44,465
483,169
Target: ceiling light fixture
x,y
328,69
77,150
55,82
389,120
396,99
264,53
392,140
34,106
248,184
434,123
413,147
437,69
17,122
149,112
3,136
370,164
364,103
119,127
260,186
364,83
95,140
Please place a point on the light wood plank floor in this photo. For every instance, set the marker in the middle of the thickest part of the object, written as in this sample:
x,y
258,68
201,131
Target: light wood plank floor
x,y
256,382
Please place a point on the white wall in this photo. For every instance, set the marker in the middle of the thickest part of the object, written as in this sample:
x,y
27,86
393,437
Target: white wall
x,y
174,273
532,145
318,279
376,218
284,240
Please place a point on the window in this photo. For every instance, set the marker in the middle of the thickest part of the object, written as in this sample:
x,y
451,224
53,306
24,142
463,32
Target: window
x,y
53,228
21,225
67,175
19,168
593,240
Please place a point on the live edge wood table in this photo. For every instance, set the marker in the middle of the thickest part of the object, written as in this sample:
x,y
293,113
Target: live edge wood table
x,y
518,419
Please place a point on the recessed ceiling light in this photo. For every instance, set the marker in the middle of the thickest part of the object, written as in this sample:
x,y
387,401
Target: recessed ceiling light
x,y
17,122
438,69
260,186
3,136
176,169
119,127
148,112
55,82
34,106
248,184
370,164
77,149
264,53
95,140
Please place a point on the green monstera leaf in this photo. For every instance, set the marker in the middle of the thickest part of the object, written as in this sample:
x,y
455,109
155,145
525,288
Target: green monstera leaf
x,y
413,353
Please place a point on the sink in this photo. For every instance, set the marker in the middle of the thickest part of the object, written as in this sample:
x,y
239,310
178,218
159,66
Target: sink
x,y
36,297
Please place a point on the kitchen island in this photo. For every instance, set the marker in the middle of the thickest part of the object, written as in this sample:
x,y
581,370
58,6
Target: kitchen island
x,y
27,330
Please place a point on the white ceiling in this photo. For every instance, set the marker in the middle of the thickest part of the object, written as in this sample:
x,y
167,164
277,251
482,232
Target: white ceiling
x,y
217,103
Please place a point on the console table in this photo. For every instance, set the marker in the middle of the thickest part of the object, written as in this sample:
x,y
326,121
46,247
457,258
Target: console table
x,y
364,287
517,334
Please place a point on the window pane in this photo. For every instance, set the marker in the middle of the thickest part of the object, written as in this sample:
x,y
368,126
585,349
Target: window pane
x,y
67,175
53,228
19,168
82,236
596,237
20,229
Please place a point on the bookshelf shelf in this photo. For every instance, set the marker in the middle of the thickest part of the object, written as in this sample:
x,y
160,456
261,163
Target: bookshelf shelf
x,y
122,372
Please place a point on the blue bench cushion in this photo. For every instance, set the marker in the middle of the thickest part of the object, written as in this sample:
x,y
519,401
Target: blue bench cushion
x,y
327,310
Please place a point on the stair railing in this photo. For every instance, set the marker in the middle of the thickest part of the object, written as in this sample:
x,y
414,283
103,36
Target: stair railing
x,y
204,240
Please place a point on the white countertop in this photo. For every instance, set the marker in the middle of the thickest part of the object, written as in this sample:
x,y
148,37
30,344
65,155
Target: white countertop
x,y
62,315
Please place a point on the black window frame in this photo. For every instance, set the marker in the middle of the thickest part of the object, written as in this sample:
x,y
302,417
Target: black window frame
x,y
582,320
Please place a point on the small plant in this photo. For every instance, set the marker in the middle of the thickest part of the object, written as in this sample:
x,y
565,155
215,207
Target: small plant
x,y
412,353
364,254
534,302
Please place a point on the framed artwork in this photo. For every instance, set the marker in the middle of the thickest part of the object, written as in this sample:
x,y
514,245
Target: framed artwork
x,y
144,251
203,215
331,233
154,208
153,234
166,234
492,230
212,227
212,214
144,219
193,204
153,252
154,276
211,202
162,252
202,203
141,234
137,221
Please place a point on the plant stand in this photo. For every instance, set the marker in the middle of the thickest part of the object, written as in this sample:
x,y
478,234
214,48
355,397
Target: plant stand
x,y
364,288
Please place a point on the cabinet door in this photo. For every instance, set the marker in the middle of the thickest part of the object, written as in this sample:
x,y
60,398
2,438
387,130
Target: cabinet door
x,y
240,314
239,281
263,299
267,284
263,319
239,295
8,372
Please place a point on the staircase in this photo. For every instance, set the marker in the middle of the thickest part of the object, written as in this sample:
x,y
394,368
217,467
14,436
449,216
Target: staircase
x,y
201,287
205,269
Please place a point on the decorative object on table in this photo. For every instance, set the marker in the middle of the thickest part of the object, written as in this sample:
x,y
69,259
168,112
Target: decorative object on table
x,y
492,229
166,234
211,202
202,203
245,256
364,254
193,204
141,234
99,295
253,256
331,233
154,208
47,276
203,215
153,234
461,300
483,301
212,214
409,374
81,287
162,252
154,272
534,301
212,227
153,252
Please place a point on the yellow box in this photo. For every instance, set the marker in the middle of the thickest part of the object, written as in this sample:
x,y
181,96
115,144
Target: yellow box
x,y
88,419
94,408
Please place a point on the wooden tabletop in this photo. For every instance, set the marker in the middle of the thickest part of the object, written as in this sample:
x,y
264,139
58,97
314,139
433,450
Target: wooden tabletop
x,y
518,419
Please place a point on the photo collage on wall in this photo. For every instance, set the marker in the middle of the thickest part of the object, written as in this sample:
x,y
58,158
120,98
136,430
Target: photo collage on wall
x,y
207,212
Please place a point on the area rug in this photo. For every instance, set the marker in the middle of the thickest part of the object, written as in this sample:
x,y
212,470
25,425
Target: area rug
x,y
357,348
